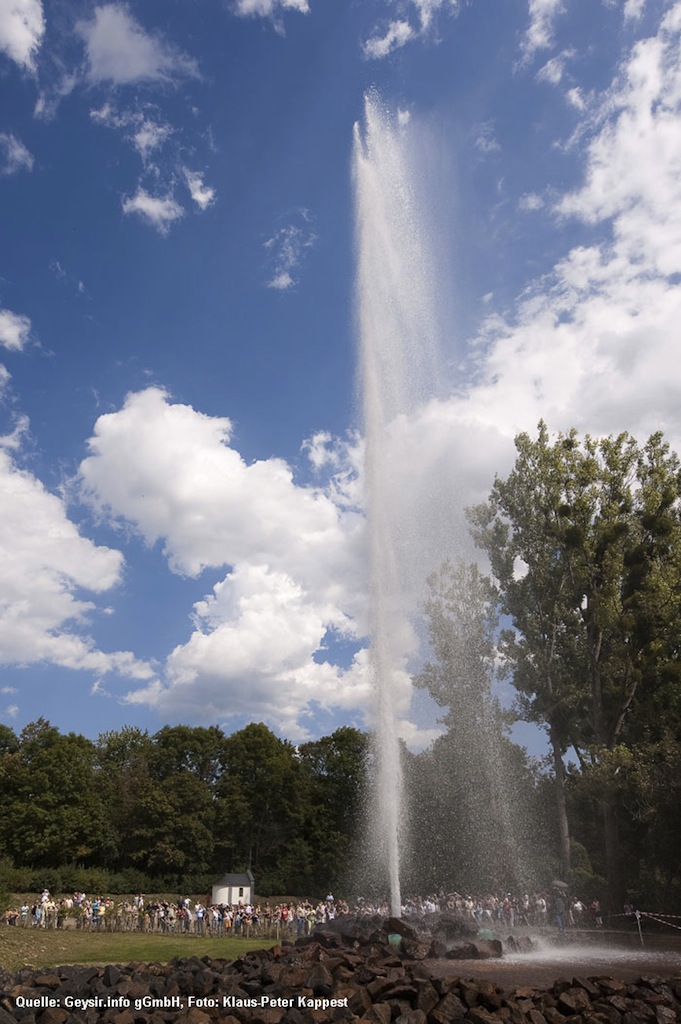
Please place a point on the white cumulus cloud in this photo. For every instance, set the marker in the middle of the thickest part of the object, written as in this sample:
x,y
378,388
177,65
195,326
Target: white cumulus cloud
x,y
293,560
593,343
46,563
15,330
22,27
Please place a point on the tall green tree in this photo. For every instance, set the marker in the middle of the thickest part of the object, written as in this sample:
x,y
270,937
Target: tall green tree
x,y
159,793
259,805
473,788
54,813
128,789
335,771
584,540
462,619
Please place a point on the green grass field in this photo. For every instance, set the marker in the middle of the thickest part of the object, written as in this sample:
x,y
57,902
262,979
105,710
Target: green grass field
x,y
36,947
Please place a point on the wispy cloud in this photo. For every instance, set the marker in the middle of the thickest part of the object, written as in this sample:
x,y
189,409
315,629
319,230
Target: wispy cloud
x,y
530,202
203,195
539,34
286,250
417,21
397,34
554,69
15,440
160,149
14,155
270,8
120,51
145,130
633,9
161,212
65,277
485,141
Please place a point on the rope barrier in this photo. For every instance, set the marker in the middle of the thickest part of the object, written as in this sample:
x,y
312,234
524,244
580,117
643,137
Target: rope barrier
x,y
661,920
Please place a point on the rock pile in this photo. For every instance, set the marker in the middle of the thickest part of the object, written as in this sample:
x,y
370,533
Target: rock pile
x,y
321,979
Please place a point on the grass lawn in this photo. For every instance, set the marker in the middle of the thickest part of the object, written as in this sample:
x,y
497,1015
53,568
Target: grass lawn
x,y
36,947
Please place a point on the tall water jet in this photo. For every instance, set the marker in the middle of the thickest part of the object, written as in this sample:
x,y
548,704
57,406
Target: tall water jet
x,y
398,334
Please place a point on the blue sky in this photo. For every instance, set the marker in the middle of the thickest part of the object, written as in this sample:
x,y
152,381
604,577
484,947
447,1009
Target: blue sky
x,y
181,534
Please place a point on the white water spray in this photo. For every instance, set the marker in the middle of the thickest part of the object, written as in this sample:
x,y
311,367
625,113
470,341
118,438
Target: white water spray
x,y
397,360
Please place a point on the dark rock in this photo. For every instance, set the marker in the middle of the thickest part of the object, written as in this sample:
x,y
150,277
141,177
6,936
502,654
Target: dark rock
x,y
462,951
293,1016
487,948
375,983
611,986
574,1000
327,937
413,1017
553,1015
469,993
397,926
490,995
53,1015
449,1007
665,1015
479,1015
401,990
536,1017
588,986
320,980
379,1014
427,997
607,1011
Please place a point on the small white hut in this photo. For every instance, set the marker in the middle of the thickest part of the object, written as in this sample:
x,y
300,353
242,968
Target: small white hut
x,y
234,888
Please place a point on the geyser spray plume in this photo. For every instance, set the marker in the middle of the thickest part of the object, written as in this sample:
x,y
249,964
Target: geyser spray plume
x,y
398,342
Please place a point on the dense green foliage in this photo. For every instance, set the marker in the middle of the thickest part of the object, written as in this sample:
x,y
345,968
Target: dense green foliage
x,y
584,541
178,808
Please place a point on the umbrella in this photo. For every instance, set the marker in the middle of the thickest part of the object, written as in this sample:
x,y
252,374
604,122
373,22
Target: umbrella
x,y
559,885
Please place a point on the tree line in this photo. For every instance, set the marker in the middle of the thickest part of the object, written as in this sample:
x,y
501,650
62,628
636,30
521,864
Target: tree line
x,y
180,807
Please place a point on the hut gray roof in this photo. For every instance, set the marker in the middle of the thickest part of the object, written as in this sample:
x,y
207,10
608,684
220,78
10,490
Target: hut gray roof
x,y
244,878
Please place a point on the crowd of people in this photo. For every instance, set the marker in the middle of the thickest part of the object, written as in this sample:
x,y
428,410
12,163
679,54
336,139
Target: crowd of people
x,y
550,908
